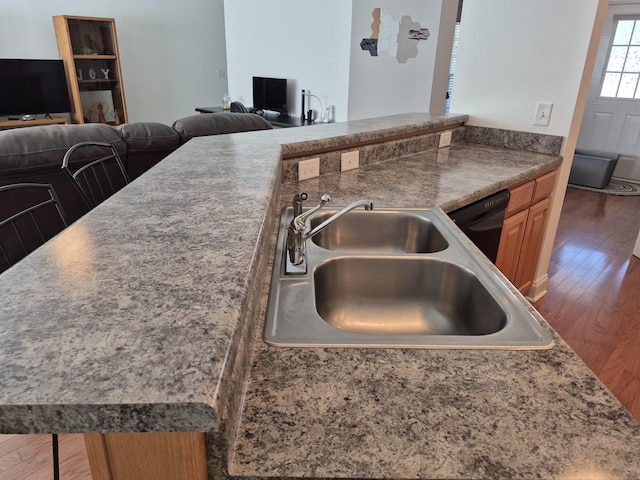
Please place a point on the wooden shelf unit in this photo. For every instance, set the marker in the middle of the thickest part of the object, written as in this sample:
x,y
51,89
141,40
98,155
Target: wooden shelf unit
x,y
89,48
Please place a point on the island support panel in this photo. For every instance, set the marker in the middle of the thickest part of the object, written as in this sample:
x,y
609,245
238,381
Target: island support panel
x,y
147,456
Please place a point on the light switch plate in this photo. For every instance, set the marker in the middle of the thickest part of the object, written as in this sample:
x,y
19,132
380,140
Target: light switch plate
x,y
308,168
543,114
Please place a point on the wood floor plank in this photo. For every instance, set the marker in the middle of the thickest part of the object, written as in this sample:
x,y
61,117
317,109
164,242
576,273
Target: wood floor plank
x,y
627,388
594,287
9,460
30,457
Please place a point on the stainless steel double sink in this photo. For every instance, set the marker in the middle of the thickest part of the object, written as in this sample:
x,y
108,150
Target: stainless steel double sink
x,y
394,278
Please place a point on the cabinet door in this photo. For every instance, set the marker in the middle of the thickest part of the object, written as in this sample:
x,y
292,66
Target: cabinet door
x,y
511,241
147,456
532,245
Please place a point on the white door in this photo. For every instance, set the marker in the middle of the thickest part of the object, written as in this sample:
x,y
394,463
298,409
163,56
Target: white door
x,y
611,121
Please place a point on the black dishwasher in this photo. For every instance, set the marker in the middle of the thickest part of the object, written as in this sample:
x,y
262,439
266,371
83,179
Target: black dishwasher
x,y
481,221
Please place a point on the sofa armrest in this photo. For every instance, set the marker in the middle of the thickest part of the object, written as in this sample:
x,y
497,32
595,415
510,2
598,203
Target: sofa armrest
x,y
37,149
219,123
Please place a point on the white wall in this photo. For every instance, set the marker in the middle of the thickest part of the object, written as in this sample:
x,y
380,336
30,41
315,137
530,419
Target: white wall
x,y
171,51
380,85
513,54
304,41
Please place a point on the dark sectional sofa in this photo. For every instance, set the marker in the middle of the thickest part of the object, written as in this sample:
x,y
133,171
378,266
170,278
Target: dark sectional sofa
x,y
34,154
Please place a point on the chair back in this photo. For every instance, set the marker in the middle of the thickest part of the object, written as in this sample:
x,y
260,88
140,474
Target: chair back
x,y
31,215
99,179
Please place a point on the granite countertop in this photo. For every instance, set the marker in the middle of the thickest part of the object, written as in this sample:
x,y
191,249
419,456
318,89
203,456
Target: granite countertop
x,y
130,320
399,413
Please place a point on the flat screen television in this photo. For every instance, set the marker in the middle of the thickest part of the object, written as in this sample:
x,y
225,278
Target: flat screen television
x,y
270,94
29,87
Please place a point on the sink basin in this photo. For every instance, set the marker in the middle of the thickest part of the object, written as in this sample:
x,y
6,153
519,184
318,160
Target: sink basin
x,y
423,296
379,231
394,278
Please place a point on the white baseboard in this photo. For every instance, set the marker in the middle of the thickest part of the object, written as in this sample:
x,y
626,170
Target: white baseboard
x,y
538,289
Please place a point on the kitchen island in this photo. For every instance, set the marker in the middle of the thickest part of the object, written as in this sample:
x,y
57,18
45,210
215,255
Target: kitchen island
x,y
146,316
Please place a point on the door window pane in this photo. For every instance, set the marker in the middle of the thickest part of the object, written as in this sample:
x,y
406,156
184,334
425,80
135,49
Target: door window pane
x,y
633,60
623,65
617,58
610,85
635,37
623,32
628,85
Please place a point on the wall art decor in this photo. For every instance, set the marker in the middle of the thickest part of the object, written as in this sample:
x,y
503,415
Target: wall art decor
x,y
396,38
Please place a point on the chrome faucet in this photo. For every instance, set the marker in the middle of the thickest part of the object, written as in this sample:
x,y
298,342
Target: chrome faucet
x,y
297,236
298,198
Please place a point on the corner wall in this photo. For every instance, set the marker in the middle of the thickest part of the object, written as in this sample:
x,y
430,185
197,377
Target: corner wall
x,y
170,51
316,47
301,40
380,85
513,54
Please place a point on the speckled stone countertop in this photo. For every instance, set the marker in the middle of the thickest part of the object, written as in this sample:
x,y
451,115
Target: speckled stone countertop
x,y
394,413
131,319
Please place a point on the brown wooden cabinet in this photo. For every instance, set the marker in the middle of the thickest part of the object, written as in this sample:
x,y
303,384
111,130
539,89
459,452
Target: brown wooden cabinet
x,y
147,456
89,48
523,230
511,242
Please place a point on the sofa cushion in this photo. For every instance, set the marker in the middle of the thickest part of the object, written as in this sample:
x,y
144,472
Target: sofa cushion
x,y
148,143
30,150
219,123
149,136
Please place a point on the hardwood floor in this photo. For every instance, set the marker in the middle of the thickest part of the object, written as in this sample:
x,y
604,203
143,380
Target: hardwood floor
x,y
593,302
594,288
29,457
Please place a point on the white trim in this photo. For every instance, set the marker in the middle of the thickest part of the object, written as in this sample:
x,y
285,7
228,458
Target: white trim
x,y
636,249
538,289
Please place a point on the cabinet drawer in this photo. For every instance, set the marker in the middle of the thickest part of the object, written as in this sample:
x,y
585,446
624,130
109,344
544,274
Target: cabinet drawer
x,y
521,197
544,186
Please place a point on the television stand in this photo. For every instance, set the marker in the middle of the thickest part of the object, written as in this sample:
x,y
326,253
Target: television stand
x,y
7,124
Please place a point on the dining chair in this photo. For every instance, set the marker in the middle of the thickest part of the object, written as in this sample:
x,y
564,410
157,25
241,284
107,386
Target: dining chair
x,y
100,178
30,214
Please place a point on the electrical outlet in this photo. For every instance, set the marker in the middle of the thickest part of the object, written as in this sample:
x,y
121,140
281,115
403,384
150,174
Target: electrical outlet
x,y
350,160
308,168
543,114
222,73
445,139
